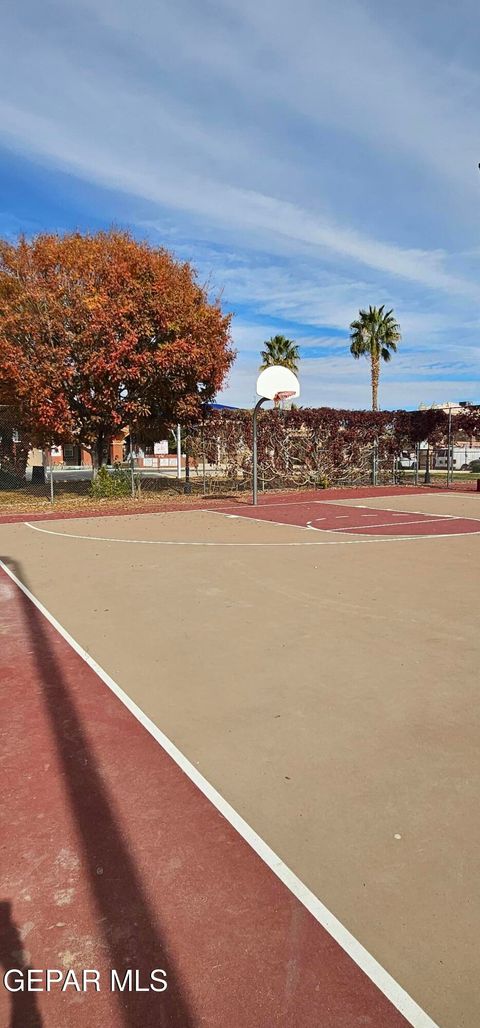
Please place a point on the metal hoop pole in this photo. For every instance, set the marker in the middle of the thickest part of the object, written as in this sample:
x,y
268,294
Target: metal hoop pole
x,y
254,453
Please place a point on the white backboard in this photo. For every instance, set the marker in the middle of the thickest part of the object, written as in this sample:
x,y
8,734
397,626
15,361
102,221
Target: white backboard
x,y
277,379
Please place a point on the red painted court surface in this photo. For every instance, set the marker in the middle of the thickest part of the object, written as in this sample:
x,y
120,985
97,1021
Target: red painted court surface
x,y
329,516
285,499
328,695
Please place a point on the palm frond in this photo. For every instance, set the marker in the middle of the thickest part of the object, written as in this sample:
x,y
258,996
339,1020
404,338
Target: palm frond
x,y
280,350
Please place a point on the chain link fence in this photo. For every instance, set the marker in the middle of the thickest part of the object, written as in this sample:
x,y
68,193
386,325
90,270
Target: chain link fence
x,y
22,468
214,458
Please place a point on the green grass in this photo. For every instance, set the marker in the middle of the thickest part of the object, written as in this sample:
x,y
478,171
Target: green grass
x,y
458,476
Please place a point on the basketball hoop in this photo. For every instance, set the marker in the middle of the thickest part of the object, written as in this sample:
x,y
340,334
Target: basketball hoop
x,y
277,382
273,383
284,394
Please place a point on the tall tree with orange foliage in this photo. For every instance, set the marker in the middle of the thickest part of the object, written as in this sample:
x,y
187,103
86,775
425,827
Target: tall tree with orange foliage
x,y
101,331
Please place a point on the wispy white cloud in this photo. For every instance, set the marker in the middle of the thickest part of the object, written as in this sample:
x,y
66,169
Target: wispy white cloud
x,y
335,379
312,158
249,213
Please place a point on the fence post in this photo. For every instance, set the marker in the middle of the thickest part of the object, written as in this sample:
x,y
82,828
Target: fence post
x,y
132,466
449,450
52,494
375,462
417,461
187,487
203,456
179,452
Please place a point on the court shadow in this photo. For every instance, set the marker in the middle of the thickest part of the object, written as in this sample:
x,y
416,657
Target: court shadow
x,y
125,917
24,1012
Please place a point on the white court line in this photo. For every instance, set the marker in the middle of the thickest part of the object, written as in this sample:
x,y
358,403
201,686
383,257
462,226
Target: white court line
x,y
424,519
392,510
259,521
394,992
354,506
183,542
310,524
387,524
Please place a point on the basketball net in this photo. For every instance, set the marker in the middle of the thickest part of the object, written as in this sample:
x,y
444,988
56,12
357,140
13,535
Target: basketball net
x,y
283,395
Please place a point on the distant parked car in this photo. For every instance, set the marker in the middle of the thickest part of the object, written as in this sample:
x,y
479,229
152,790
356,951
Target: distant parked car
x,y
461,457
406,460
474,466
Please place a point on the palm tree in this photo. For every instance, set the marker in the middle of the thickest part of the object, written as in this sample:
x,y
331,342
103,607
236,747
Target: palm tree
x,y
374,334
280,350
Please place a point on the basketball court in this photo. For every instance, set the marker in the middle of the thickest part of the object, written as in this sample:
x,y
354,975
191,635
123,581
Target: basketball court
x,y
241,744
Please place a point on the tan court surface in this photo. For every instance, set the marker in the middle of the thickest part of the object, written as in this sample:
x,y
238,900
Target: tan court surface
x,y
329,692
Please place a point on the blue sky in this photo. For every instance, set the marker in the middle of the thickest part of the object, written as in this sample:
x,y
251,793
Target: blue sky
x,y
309,157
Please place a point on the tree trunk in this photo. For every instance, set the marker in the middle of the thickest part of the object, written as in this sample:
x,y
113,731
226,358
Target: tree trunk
x,y
375,371
100,451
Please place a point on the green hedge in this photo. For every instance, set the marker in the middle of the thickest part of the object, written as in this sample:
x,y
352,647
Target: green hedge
x,y
111,483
